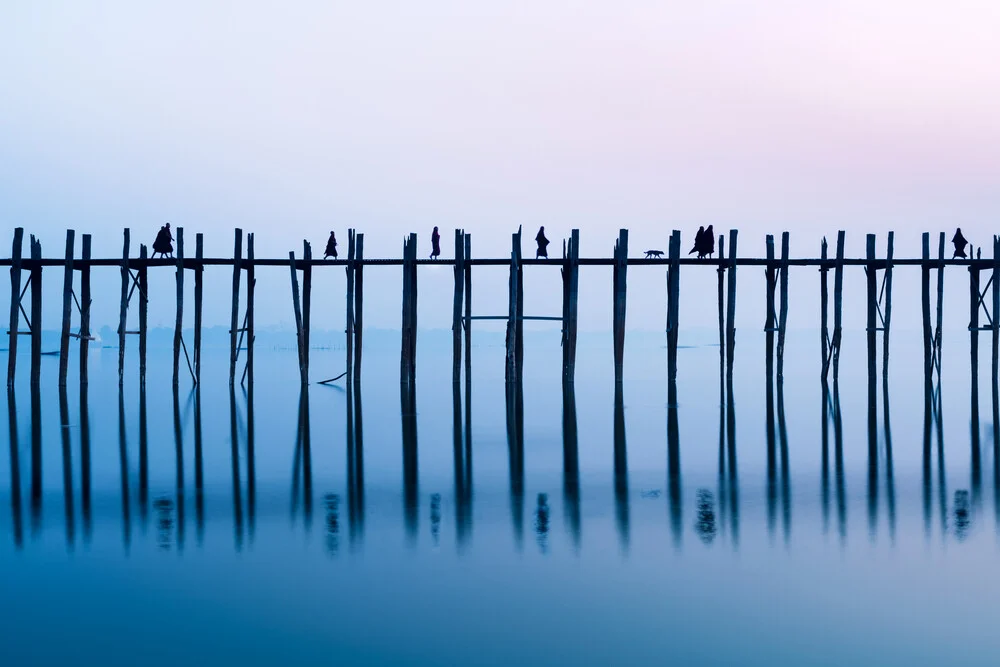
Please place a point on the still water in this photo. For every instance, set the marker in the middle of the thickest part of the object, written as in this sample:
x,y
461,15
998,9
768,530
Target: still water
x,y
591,527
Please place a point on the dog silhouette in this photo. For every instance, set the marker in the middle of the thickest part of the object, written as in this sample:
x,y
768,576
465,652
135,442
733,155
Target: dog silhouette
x,y
654,254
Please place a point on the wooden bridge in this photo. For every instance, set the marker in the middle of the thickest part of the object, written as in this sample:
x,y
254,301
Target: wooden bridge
x,y
77,296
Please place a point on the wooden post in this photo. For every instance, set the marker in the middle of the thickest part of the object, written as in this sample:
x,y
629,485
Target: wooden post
x,y
994,387
349,319
143,312
871,331
404,338
783,312
519,313
939,331
570,295
620,283
510,374
67,310
824,298
306,307
298,315
838,306
359,255
36,312
673,314
123,311
456,311
974,296
199,275
250,332
85,314
925,294
179,321
731,309
409,337
468,315
769,322
722,318
234,321
15,304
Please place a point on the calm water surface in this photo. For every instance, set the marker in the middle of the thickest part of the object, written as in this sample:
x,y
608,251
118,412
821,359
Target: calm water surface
x,y
546,528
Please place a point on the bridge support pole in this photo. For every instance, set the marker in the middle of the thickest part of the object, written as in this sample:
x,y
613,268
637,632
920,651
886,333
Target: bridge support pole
x,y
15,304
571,284
620,284
199,278
359,292
349,317
179,319
123,310
143,312
36,312
925,303
67,309
456,314
783,308
673,315
731,309
838,308
85,300
871,334
234,320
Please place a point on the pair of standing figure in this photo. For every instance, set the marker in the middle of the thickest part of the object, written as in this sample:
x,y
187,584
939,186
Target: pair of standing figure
x,y
704,243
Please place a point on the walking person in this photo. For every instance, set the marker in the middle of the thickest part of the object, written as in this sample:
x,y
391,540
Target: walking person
x,y
960,243
435,244
164,243
331,247
543,244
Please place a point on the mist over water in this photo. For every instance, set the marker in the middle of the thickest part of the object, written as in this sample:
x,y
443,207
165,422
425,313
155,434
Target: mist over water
x,y
595,525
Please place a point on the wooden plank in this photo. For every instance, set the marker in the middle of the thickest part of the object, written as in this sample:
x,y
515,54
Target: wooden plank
x,y
349,318
359,254
179,320
838,306
36,313
85,301
15,304
298,314
306,307
123,310
199,279
235,316
783,308
143,312
456,311
731,308
67,309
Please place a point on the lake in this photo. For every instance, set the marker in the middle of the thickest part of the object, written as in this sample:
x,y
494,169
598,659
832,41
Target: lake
x,y
590,526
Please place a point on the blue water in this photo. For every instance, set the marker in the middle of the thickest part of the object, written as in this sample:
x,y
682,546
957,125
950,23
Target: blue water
x,y
313,527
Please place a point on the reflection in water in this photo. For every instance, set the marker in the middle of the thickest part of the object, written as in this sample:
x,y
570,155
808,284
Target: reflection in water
x,y
88,524
728,477
234,455
251,467
831,411
515,453
436,519
674,492
542,523
199,471
890,484
123,465
462,453
411,499
143,459
331,502
777,439
355,467
621,472
963,518
164,508
36,462
179,458
67,461
571,465
705,525
15,470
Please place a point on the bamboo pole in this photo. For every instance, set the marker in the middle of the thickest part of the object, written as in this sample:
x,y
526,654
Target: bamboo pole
x,y
359,292
143,312
783,309
838,306
298,315
871,332
67,309
456,314
85,314
250,312
179,320
731,309
15,305
123,310
349,317
234,321
36,312
199,275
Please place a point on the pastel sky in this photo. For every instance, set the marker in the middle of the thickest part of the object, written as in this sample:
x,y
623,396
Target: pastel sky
x,y
291,119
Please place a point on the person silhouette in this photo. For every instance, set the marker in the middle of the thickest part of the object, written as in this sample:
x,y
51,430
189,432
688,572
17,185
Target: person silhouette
x,y
435,244
698,240
164,242
960,243
331,247
543,244
707,243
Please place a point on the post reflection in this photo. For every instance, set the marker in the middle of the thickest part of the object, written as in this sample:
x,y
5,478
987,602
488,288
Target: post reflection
x,y
778,481
179,474
143,459
251,465
199,471
411,492
831,412
729,482
355,468
621,472
123,466
15,471
571,465
515,453
85,503
36,462
462,453
234,455
67,461
674,490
